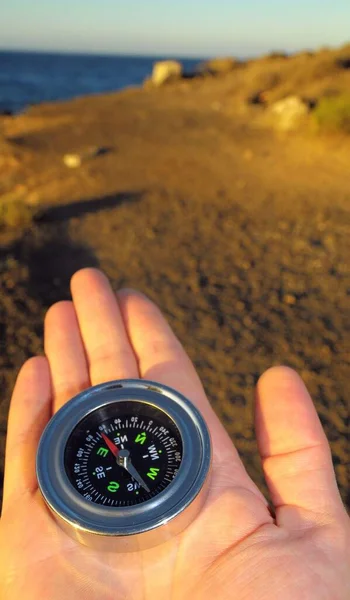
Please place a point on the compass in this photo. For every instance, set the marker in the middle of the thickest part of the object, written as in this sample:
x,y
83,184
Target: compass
x,y
125,465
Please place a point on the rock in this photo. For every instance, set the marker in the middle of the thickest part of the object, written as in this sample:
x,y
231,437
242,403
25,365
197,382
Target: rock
x,y
6,112
72,160
289,112
257,98
166,71
240,306
76,159
344,62
289,299
219,66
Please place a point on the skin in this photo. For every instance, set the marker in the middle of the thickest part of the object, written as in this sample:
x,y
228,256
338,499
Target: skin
x,y
237,547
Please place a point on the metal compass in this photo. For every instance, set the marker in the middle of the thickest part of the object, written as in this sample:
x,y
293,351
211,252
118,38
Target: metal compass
x,y
125,465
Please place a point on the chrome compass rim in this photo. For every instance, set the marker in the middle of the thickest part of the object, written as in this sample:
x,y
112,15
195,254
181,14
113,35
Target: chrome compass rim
x,y
83,516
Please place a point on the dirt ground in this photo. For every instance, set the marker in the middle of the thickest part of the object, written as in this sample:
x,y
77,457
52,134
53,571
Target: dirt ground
x,y
240,234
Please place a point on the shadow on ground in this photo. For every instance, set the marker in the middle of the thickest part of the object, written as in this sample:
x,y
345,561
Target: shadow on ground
x,y
83,207
35,272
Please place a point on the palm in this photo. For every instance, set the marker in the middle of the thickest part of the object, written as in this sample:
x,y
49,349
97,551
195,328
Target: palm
x,y
234,548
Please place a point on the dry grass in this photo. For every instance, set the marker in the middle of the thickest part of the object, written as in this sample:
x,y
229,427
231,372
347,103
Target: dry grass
x,y
16,214
310,75
332,115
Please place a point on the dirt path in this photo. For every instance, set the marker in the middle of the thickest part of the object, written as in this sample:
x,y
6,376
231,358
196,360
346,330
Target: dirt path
x,y
239,234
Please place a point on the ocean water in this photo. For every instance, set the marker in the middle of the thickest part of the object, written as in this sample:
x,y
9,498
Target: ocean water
x,y
28,78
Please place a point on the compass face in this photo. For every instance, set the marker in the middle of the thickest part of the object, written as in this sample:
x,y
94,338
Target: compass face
x,y
123,454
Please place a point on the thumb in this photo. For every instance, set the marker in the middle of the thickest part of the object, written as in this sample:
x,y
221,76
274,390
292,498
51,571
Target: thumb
x,y
294,450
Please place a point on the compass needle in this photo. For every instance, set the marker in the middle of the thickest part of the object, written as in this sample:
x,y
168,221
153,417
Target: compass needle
x,y
112,447
131,469
134,456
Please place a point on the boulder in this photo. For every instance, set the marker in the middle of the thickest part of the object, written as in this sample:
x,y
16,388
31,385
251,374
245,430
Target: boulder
x,y
218,66
76,159
344,62
6,112
166,71
289,112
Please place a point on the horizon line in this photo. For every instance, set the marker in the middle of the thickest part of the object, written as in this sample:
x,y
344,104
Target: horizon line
x,y
242,54
143,54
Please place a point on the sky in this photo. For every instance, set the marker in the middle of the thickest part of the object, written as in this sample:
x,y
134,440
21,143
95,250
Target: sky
x,y
178,28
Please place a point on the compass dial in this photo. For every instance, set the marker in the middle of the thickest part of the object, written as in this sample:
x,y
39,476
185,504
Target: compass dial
x,y
125,465
123,454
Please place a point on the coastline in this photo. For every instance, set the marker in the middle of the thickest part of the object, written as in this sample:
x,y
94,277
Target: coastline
x,y
239,231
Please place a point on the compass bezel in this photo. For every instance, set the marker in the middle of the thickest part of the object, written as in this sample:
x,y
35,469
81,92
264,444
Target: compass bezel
x,y
82,515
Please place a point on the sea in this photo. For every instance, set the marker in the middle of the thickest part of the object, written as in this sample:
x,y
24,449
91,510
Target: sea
x,y
28,78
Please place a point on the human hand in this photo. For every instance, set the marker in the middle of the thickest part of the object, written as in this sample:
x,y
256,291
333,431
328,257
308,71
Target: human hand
x,y
235,548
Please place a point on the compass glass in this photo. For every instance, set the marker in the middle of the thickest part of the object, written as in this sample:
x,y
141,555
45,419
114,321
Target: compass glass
x,y
123,453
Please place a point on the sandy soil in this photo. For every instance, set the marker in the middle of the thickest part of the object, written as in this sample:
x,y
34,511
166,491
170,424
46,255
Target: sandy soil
x,y
241,235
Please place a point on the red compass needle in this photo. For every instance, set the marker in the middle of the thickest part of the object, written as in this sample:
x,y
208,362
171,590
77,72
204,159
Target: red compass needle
x,y
112,447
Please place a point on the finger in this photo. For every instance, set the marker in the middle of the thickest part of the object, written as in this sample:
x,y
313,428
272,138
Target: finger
x,y
30,410
162,358
294,449
65,352
159,352
108,350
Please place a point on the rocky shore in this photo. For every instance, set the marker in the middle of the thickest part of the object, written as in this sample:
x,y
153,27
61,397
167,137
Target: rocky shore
x,y
239,228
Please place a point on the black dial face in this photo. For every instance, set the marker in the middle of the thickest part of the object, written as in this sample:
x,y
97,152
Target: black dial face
x,y
123,454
